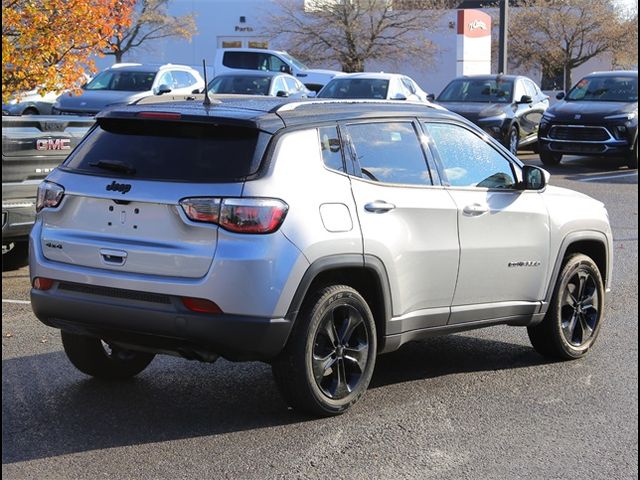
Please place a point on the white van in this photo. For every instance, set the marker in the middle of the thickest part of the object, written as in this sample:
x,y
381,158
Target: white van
x,y
230,59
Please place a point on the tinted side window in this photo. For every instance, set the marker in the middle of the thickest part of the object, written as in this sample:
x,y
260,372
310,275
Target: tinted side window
x,y
389,153
247,60
331,148
276,65
469,161
279,85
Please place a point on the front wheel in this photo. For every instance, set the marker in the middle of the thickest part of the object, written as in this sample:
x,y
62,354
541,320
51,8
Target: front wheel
x,y
632,157
550,158
513,140
329,359
573,320
100,359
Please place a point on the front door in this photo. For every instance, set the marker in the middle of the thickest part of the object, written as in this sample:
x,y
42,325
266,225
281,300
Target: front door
x,y
504,232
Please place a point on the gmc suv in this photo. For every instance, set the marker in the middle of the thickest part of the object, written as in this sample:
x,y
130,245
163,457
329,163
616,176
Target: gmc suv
x,y
310,235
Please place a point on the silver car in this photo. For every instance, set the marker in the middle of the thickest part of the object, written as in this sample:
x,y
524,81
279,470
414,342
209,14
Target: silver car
x,y
311,235
126,83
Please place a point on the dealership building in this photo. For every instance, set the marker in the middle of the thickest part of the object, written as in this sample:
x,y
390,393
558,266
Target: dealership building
x,y
462,38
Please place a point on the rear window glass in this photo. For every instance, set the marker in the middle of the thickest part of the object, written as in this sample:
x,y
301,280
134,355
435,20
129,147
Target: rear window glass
x,y
355,88
169,151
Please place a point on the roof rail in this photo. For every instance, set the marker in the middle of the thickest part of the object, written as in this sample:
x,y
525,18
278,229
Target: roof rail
x,y
120,65
289,106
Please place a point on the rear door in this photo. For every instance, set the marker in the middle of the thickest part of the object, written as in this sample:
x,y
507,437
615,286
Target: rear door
x,y
407,220
123,187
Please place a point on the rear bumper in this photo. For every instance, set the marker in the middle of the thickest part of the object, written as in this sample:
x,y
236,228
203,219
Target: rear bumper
x,y
158,323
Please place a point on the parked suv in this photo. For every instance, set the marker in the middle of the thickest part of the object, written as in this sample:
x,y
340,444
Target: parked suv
x,y
31,148
125,83
599,116
229,60
312,235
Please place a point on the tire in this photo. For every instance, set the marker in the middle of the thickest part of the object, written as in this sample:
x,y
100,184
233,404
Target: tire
x,y
31,111
632,158
15,256
575,314
328,361
512,141
97,359
550,158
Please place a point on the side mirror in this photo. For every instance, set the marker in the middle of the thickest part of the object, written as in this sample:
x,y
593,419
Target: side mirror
x,y
534,178
311,94
431,97
398,96
525,99
163,89
197,90
282,93
286,69
560,95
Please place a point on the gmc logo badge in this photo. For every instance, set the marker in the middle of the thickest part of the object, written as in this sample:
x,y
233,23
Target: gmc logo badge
x,y
53,144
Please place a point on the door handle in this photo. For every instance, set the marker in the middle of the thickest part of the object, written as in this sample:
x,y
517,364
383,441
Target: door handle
x,y
475,210
379,206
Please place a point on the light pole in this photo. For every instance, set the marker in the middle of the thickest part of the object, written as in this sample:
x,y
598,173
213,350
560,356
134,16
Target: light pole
x,y
502,42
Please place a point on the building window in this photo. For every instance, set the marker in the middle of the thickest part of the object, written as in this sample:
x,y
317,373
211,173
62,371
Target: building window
x,y
257,44
231,44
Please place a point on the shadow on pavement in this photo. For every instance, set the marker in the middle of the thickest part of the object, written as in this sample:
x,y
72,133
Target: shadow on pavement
x,y
50,409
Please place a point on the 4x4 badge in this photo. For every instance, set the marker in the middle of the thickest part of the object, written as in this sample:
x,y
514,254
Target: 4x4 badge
x,y
118,187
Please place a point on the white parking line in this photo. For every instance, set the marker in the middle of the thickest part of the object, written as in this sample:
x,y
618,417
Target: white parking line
x,y
610,176
22,302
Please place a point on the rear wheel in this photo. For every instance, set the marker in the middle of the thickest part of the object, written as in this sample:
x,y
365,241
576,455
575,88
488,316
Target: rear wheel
x,y
550,158
100,359
15,255
573,321
329,359
632,158
31,111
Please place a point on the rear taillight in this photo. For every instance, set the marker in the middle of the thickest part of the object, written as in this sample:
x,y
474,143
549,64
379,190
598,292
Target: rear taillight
x,y
40,283
49,195
241,215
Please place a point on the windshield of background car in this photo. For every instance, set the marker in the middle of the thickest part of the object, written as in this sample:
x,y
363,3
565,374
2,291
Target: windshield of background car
x,y
605,89
478,90
355,88
122,81
245,85
169,151
295,62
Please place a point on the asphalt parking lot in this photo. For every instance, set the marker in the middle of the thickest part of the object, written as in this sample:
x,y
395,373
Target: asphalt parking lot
x,y
479,405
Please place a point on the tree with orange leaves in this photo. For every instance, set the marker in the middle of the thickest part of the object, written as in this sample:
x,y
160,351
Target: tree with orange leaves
x,y
48,44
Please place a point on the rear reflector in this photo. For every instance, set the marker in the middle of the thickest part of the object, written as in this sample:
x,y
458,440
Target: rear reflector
x,y
40,283
200,305
160,115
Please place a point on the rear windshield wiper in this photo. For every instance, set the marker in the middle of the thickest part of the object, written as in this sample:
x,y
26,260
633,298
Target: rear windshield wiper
x,y
114,166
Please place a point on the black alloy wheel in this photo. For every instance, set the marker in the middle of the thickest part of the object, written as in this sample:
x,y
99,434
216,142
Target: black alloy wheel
x,y
573,321
340,352
580,308
328,361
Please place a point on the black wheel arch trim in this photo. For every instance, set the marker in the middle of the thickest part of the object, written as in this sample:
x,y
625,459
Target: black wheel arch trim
x,y
570,239
336,262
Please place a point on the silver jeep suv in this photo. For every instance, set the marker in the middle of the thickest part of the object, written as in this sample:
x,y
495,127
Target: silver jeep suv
x,y
313,236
